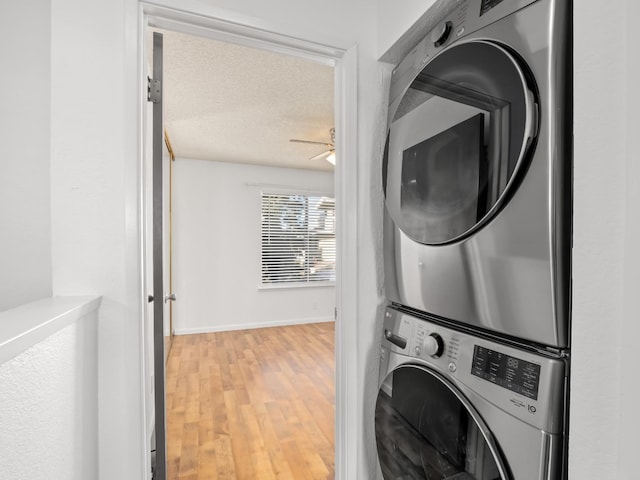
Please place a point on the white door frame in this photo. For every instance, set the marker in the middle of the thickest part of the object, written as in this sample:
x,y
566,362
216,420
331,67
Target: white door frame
x,y
348,408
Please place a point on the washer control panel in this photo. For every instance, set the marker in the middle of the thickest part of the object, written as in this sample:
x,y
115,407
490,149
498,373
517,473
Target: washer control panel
x,y
528,385
411,336
509,372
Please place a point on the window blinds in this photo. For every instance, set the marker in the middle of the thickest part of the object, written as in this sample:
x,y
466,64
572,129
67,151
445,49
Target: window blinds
x,y
298,239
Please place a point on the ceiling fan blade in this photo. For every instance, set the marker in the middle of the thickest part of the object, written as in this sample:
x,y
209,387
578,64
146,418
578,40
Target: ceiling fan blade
x,y
322,155
295,140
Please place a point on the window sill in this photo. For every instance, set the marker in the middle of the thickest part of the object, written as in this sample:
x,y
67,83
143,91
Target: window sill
x,y
285,286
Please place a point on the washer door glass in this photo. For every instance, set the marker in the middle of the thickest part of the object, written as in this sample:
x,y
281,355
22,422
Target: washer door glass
x,y
458,138
425,430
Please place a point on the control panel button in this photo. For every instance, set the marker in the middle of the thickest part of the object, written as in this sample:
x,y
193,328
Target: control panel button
x,y
433,345
452,367
441,33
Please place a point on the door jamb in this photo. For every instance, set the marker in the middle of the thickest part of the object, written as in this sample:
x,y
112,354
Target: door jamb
x,y
348,414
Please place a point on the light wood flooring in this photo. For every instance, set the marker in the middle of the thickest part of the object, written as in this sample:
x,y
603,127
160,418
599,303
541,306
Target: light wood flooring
x,y
252,404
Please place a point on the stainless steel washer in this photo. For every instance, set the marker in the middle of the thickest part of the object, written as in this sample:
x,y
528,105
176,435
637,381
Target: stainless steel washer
x,y
457,407
477,171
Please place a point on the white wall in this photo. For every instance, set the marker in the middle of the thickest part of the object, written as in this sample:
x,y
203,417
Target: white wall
x,y
25,226
48,407
394,21
216,248
604,387
333,22
629,419
95,205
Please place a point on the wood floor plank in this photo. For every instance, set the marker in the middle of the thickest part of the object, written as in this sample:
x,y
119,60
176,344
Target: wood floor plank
x,y
252,405
225,467
189,450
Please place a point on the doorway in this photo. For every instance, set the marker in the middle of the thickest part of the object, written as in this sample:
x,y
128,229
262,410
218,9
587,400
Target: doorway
x,y
346,76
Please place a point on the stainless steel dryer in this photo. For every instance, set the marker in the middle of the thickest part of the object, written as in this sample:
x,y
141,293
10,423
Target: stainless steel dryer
x,y
456,407
477,171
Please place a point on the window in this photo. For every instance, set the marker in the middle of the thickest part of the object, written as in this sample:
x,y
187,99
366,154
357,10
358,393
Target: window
x,y
298,239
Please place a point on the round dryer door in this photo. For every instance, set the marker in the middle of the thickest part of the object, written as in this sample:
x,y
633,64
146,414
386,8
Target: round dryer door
x,y
458,142
425,429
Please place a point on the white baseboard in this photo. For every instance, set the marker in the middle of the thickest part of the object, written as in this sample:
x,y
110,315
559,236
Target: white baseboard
x,y
249,326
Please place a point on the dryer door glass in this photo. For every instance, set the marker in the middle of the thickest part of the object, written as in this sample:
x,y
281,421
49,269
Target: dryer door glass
x,y
426,430
458,138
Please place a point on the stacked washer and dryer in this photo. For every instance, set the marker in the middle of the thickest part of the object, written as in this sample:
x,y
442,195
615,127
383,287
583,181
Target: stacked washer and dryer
x,y
477,240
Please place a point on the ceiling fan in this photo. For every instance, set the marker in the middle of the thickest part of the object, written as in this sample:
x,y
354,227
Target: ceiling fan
x,y
329,153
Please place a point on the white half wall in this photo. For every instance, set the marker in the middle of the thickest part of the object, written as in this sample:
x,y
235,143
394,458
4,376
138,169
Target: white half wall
x,y
49,394
25,106
216,245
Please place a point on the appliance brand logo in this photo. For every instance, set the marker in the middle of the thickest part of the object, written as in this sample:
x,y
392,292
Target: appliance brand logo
x,y
520,404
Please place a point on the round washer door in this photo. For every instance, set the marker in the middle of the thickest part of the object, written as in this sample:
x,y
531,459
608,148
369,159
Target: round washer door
x,y
426,429
458,142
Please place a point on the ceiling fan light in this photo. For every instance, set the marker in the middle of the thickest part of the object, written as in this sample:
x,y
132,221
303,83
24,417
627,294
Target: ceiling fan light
x,y
332,158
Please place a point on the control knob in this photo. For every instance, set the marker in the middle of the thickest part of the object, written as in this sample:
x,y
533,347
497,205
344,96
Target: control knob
x,y
433,345
441,33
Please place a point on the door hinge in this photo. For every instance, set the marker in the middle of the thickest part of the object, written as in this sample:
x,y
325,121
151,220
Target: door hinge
x,y
154,90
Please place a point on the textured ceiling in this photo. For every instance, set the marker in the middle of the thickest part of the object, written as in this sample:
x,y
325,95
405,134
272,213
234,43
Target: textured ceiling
x,y
231,103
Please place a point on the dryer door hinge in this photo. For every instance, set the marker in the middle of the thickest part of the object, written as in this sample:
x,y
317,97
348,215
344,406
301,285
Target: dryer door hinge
x,y
154,90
